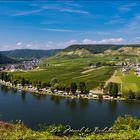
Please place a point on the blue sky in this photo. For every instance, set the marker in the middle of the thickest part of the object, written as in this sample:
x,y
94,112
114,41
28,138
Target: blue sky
x,y
58,24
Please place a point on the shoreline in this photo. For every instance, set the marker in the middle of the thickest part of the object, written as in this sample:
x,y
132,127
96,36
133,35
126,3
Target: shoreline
x,y
60,95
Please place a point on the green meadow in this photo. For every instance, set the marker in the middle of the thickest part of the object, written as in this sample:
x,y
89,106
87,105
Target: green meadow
x,y
68,70
76,69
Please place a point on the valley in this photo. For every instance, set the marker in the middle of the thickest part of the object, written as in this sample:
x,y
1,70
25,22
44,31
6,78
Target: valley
x,y
75,64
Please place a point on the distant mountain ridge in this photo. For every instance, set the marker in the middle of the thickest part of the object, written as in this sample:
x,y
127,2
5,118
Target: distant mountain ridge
x,y
99,48
29,53
87,50
6,60
77,50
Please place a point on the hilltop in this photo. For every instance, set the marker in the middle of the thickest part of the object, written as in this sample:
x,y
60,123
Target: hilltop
x,y
94,48
29,53
124,51
90,50
79,52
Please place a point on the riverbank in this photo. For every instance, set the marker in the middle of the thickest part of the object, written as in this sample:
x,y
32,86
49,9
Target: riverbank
x,y
58,93
19,131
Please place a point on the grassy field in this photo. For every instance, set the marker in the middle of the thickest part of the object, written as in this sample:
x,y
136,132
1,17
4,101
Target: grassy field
x,y
76,69
68,70
129,81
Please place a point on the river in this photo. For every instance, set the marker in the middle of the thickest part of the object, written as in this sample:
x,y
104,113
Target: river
x,y
33,110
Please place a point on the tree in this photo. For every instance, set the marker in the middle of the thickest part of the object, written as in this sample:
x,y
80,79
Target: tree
x,y
56,86
137,95
131,94
15,82
23,81
38,85
54,81
73,87
62,87
43,85
82,87
102,85
113,89
67,89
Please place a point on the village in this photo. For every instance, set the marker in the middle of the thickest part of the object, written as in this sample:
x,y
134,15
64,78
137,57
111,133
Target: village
x,y
127,66
47,91
21,66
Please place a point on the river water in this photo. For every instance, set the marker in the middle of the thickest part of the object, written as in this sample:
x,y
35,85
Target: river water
x,y
33,110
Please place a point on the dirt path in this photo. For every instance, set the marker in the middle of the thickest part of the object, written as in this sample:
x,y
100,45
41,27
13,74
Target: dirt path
x,y
113,78
81,76
86,71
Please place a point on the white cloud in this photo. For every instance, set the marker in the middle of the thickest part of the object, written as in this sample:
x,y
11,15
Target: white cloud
x,y
52,45
60,30
62,9
136,40
60,45
74,11
19,43
88,41
23,13
127,8
29,45
112,40
103,41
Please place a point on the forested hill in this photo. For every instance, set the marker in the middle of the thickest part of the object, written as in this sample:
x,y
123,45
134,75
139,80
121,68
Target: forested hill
x,y
98,48
6,60
28,54
73,50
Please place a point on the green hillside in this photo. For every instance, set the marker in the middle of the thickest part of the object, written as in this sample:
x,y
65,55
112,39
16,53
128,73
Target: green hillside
x,y
74,65
81,52
86,50
28,54
99,48
6,60
68,70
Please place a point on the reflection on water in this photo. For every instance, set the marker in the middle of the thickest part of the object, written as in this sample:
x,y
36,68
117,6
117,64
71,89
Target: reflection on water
x,y
55,99
37,96
112,105
23,96
132,103
83,103
13,90
72,104
5,89
69,102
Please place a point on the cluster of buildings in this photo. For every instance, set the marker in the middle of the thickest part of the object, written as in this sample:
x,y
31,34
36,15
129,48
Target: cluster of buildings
x,y
25,65
127,66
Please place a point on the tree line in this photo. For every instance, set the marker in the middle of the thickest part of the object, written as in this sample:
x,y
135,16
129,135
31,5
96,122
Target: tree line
x,y
54,84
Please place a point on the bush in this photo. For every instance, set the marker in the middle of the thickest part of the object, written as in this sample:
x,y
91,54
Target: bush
x,y
129,95
137,95
113,89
